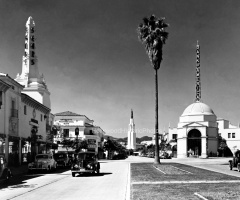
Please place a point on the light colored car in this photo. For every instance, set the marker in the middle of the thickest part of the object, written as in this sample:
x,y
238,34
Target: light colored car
x,y
43,162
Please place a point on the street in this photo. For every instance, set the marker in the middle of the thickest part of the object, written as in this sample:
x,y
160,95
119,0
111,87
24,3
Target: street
x,y
112,183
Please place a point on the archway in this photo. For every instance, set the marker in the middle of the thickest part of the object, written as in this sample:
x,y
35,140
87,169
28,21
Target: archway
x,y
194,143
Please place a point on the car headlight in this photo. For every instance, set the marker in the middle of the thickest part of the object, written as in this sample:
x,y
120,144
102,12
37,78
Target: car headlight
x,y
89,166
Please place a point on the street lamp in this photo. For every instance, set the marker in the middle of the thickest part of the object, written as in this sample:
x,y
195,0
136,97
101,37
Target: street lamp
x,y
77,133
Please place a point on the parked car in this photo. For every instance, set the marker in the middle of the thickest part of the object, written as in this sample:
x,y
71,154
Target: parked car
x,y
235,162
85,162
43,162
119,156
5,172
164,155
62,159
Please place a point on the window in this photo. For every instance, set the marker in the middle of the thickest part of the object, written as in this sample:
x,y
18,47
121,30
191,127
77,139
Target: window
x,y
174,136
233,135
13,104
229,135
25,110
65,132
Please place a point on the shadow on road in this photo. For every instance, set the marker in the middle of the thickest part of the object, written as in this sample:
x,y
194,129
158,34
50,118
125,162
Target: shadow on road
x,y
20,180
89,175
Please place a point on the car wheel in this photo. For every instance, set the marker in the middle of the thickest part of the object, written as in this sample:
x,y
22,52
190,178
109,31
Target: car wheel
x,y
73,174
6,176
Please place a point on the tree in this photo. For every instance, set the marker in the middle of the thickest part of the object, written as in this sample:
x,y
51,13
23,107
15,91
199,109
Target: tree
x,y
113,145
75,144
153,35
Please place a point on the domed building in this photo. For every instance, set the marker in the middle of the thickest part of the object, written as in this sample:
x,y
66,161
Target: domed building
x,y
197,131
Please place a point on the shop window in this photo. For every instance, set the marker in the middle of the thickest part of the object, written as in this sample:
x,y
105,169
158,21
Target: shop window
x,y
233,135
25,110
229,135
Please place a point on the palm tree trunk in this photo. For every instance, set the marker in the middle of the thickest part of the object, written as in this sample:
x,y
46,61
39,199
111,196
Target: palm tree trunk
x,y
157,159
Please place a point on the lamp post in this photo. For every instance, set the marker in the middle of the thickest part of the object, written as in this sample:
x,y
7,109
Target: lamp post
x,y
77,133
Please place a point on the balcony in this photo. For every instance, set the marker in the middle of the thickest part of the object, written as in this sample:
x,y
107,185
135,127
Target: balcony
x,y
14,113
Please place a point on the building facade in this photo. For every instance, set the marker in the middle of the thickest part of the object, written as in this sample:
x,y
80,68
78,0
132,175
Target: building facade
x,y
69,121
20,115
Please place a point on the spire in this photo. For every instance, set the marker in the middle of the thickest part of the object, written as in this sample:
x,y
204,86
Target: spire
x,y
198,80
131,114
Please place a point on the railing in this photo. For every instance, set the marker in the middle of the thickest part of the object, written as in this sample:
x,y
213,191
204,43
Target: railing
x,y
14,113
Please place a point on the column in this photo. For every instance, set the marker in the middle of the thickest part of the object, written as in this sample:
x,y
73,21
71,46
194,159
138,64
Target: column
x,y
204,147
20,151
6,147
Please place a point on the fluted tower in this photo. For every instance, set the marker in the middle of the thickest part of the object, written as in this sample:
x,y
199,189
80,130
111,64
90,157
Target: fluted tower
x,y
34,83
131,134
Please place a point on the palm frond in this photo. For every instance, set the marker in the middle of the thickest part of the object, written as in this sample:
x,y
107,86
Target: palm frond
x,y
153,35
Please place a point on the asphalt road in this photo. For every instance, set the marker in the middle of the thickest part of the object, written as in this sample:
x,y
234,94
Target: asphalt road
x,y
112,183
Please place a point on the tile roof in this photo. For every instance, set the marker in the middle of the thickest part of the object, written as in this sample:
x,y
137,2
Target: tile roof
x,y
67,113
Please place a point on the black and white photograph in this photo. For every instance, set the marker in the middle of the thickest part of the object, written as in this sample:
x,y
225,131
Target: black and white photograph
x,y
119,100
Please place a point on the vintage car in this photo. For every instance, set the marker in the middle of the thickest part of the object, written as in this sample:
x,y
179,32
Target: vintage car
x,y
43,162
85,162
5,172
62,159
164,155
235,162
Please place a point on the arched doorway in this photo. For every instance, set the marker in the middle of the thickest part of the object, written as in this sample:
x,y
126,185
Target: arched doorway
x,y
194,143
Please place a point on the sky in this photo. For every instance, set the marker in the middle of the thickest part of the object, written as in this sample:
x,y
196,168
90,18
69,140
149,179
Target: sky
x,y
94,64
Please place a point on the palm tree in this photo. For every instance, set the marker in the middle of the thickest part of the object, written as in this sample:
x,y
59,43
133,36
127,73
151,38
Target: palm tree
x,y
153,35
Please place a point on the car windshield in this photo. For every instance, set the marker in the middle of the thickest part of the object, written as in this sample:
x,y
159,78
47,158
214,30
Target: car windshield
x,y
59,156
87,156
41,156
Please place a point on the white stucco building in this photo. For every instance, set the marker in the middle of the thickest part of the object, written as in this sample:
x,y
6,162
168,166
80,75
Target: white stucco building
x,y
20,115
197,131
230,133
69,121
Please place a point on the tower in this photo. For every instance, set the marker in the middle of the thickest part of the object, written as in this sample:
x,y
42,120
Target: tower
x,y
34,83
131,133
198,80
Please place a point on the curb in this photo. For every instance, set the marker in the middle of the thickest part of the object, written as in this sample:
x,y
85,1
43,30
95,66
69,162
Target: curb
x,y
128,191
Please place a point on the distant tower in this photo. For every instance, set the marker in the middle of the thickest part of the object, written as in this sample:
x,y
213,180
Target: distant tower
x,y
131,133
34,83
198,80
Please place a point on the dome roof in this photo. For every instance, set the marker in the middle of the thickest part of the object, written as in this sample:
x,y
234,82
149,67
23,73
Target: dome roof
x,y
198,108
